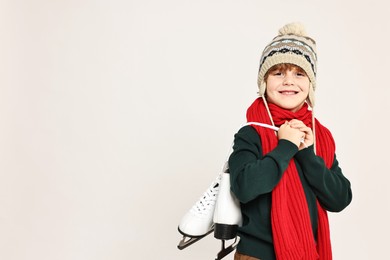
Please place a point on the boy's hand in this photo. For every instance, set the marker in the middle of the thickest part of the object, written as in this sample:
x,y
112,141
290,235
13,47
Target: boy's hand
x,y
308,138
291,134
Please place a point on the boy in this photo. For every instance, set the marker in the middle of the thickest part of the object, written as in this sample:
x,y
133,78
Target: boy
x,y
286,181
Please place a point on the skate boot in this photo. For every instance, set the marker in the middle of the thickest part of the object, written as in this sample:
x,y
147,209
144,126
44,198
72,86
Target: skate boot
x,y
198,221
227,216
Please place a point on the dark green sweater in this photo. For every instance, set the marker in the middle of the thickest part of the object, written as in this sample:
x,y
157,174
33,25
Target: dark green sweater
x,y
254,176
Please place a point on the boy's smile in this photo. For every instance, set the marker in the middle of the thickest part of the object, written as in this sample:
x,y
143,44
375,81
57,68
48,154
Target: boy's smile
x,y
288,89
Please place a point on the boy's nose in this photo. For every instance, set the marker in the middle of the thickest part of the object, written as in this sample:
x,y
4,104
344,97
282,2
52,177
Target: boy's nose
x,y
288,80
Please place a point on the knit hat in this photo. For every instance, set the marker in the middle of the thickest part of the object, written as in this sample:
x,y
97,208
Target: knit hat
x,y
293,46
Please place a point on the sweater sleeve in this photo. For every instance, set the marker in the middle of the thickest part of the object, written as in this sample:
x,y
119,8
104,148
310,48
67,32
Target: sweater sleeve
x,y
332,188
251,173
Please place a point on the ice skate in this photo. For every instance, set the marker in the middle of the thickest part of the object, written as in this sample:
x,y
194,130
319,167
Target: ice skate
x,y
198,222
227,216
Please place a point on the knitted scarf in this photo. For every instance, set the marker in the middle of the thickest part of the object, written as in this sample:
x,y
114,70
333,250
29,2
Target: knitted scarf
x,y
291,226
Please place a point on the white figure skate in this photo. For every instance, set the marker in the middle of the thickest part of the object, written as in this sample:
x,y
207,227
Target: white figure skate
x,y
217,210
198,221
227,216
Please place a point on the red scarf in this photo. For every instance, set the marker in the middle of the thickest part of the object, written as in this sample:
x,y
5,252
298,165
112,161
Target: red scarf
x,y
291,226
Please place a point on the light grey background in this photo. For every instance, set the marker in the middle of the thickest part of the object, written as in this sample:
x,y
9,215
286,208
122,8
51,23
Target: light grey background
x,y
116,116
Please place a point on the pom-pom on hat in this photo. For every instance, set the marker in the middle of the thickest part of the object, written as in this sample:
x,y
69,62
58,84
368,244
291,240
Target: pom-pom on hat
x,y
293,46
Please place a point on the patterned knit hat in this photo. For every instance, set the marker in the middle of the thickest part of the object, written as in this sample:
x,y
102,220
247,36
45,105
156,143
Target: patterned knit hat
x,y
293,46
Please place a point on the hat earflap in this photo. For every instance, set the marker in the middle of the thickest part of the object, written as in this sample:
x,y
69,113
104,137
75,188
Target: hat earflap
x,y
310,97
262,87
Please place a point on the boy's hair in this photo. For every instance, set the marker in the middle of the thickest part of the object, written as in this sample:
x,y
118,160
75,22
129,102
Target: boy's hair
x,y
283,67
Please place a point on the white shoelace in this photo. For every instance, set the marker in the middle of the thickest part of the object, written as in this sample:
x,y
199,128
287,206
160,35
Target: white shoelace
x,y
209,198
271,127
263,125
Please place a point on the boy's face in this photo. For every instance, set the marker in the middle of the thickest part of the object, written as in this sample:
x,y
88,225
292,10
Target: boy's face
x,y
288,88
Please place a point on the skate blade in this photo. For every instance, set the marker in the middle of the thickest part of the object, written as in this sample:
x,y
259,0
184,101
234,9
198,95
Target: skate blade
x,y
187,241
227,250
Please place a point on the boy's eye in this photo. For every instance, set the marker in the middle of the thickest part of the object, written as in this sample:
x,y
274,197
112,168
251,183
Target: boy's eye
x,y
277,73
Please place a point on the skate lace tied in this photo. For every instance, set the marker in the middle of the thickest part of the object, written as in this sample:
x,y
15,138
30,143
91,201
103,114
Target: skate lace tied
x,y
208,199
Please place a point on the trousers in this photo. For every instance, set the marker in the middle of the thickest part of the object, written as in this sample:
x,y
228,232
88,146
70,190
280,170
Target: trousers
x,y
238,256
